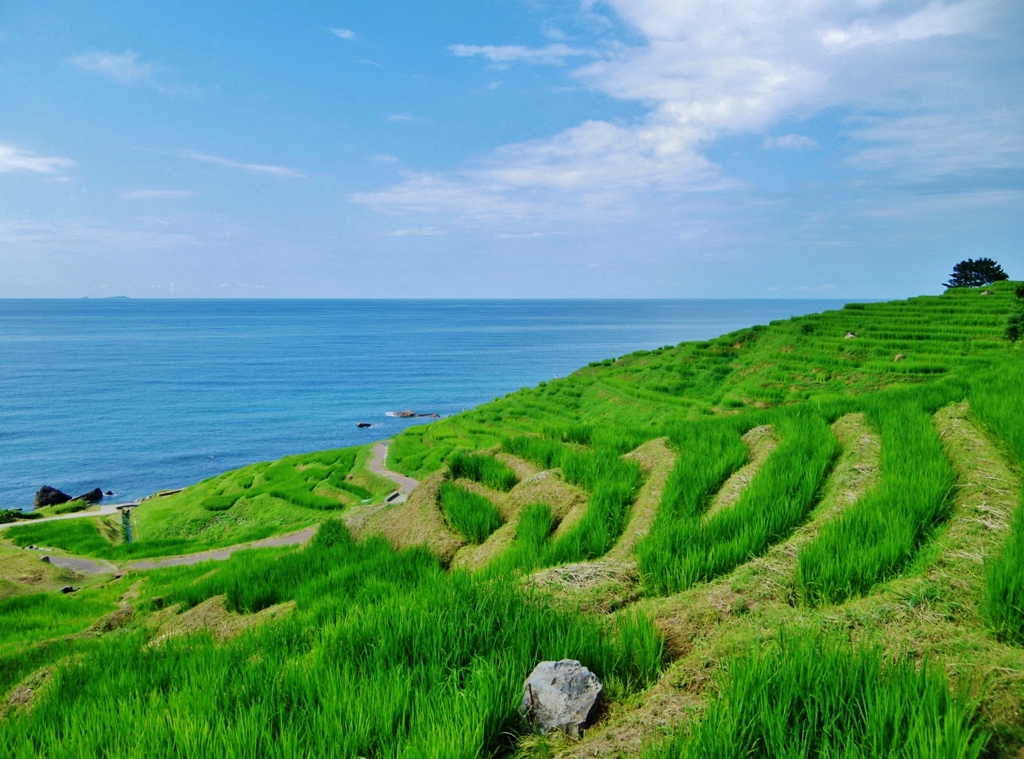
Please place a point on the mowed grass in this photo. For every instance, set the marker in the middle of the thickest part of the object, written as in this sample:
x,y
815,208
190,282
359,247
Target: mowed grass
x,y
815,697
996,400
387,655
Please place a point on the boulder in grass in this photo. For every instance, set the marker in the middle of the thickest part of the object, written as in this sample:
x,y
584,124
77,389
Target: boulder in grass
x,y
559,696
48,496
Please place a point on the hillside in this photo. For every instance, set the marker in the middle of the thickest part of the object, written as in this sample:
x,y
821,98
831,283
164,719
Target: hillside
x,y
799,539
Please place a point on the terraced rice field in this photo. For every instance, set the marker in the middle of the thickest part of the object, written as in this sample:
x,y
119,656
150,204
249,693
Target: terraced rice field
x,y
800,539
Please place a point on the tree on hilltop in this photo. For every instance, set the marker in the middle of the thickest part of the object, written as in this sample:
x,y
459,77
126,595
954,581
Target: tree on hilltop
x,y
971,273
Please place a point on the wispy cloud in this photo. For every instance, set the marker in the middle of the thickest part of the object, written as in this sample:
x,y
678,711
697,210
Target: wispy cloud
x,y
424,232
367,62
704,71
792,142
123,68
158,194
402,117
554,54
252,168
16,159
344,34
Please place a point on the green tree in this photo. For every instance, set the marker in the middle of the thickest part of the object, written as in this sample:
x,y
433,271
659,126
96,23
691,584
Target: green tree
x,y
971,273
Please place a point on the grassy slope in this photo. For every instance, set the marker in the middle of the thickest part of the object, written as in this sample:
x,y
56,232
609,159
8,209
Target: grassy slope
x,y
926,605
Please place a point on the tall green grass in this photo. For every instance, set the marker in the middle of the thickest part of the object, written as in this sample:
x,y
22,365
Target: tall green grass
x,y
486,470
613,484
532,532
778,498
708,453
997,401
472,515
820,698
872,540
400,662
546,454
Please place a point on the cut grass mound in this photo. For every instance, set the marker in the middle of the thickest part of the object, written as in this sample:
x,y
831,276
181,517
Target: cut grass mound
x,y
819,698
996,400
470,514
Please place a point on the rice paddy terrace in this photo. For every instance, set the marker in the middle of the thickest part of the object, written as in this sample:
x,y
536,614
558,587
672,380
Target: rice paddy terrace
x,y
801,539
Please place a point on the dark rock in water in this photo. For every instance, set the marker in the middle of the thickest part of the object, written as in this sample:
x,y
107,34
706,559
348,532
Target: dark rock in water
x,y
108,492
48,496
559,695
407,414
93,496
363,425
433,415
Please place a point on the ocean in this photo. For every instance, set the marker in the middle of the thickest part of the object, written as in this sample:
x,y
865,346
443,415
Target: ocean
x,y
135,396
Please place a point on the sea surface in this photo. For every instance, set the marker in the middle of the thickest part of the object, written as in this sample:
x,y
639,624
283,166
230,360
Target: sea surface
x,y
135,396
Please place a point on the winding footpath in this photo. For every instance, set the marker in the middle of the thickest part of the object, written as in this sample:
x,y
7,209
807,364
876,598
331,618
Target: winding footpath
x,y
377,465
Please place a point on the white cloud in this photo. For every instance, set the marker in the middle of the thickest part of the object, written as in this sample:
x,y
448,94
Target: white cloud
x,y
158,194
707,70
16,159
123,68
935,20
402,117
550,55
424,232
252,168
344,34
792,142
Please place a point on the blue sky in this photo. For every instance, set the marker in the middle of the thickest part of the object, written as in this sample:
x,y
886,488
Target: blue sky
x,y
508,148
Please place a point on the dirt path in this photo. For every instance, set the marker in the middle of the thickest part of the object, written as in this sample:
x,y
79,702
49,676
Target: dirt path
x,y
220,554
105,510
378,465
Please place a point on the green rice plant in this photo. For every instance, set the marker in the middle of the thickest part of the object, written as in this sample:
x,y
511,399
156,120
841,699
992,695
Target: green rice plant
x,y
486,470
301,496
387,655
815,697
544,453
996,401
614,485
532,532
219,502
350,487
470,514
778,498
873,539
708,453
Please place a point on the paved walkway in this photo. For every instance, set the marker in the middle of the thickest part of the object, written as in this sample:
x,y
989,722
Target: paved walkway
x,y
220,554
78,564
377,466
105,510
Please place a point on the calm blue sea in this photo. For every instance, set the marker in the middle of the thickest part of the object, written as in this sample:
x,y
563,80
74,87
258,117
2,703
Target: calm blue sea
x,y
138,395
